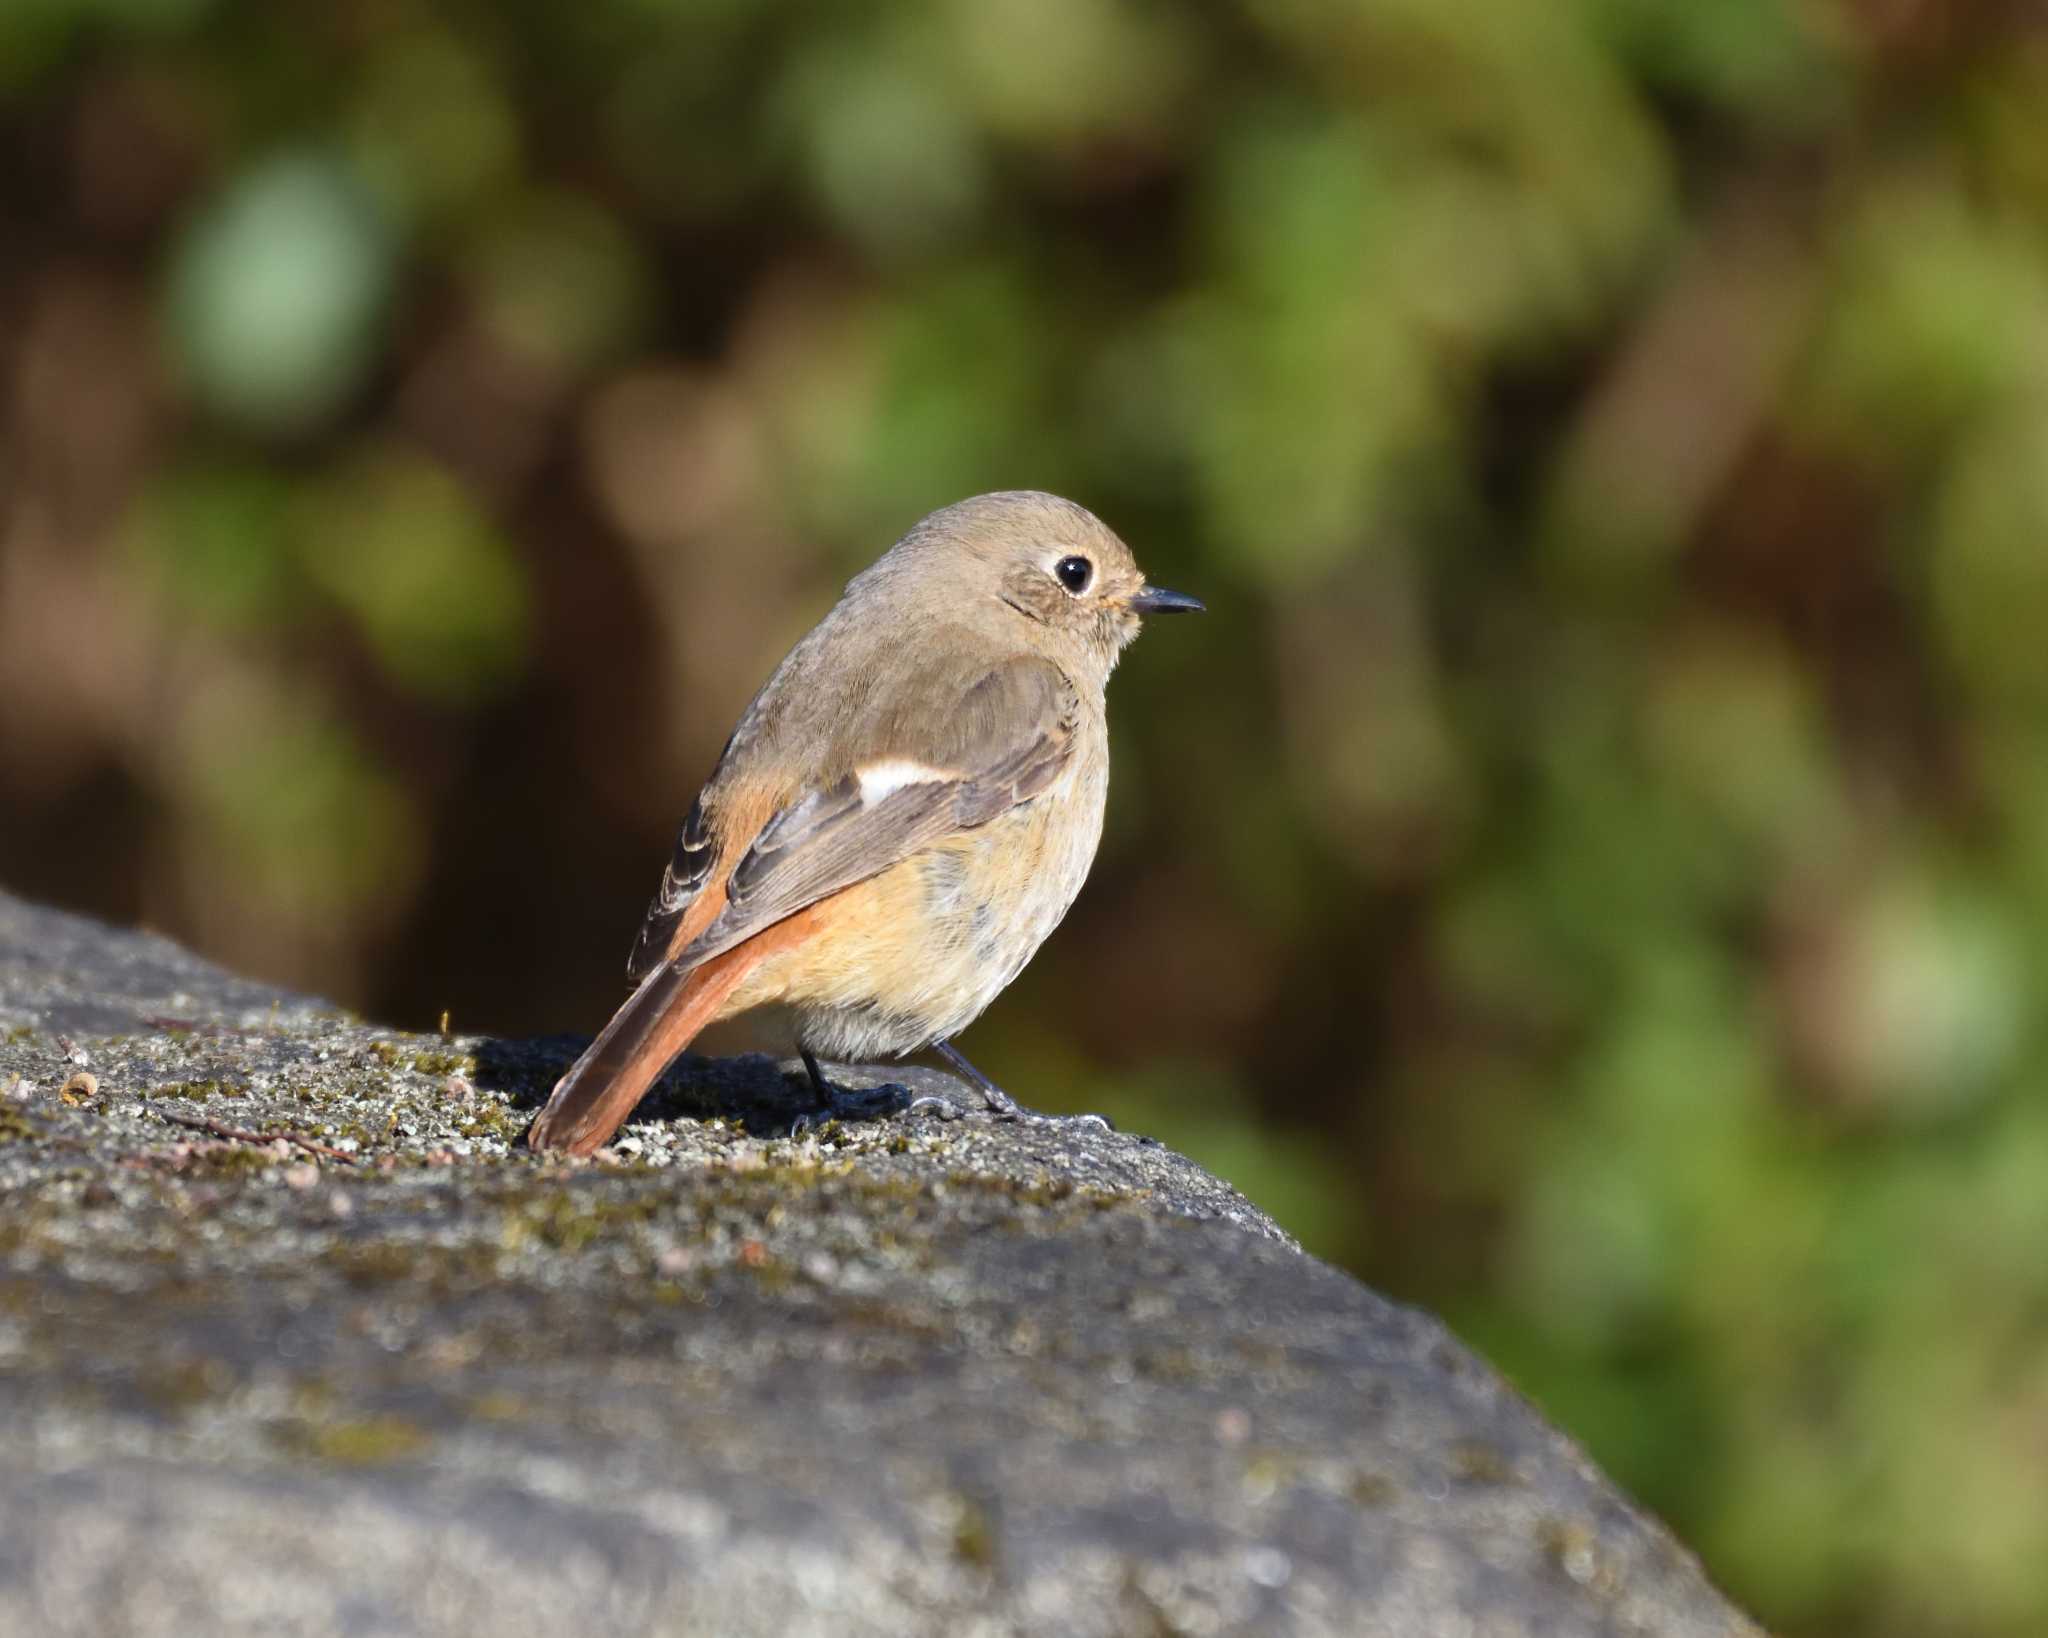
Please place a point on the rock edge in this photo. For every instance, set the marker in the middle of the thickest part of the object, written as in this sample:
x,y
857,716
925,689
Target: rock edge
x,y
389,1373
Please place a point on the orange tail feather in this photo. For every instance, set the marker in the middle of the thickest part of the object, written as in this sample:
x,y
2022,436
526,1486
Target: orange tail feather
x,y
662,1017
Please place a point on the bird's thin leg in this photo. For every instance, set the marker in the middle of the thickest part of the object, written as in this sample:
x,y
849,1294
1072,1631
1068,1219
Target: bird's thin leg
x,y
828,1094
1005,1107
826,1091
836,1102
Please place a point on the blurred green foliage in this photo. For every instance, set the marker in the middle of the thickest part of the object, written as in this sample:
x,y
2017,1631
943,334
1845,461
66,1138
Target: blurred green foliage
x,y
1590,873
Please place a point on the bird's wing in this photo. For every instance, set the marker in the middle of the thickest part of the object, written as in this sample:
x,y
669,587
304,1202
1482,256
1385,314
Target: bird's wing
x,y
985,739
682,880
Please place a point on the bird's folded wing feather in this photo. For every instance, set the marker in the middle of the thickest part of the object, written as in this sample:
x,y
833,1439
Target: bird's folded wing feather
x,y
943,760
682,879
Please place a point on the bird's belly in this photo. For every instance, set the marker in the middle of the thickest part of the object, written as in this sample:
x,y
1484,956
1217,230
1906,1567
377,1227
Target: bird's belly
x,y
917,953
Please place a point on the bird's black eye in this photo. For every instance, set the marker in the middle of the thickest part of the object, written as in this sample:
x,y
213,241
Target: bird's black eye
x,y
1074,573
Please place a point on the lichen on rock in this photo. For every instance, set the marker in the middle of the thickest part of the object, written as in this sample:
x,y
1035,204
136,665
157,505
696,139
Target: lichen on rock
x,y
284,1307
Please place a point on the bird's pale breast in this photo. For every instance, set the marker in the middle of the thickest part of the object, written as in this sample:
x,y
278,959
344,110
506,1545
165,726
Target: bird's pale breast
x,y
915,954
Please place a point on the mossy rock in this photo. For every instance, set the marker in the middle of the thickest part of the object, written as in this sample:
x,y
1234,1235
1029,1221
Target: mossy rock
x,y
286,1314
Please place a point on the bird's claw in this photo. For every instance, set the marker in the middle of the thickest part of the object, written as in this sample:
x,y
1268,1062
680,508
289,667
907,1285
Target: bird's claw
x,y
1031,1117
850,1103
869,1102
1004,1107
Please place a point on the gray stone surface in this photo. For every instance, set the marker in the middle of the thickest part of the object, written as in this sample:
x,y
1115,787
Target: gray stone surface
x,y
895,1377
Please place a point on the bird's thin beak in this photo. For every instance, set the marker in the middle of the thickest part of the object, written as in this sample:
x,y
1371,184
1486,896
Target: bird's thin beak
x,y
1158,600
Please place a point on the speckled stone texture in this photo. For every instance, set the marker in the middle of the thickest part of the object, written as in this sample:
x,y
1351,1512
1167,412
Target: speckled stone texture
x,y
894,1377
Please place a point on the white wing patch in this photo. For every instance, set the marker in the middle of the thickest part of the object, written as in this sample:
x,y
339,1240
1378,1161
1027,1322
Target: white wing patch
x,y
880,779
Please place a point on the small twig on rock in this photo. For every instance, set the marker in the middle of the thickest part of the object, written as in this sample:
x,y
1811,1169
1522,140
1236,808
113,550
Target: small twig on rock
x,y
236,1134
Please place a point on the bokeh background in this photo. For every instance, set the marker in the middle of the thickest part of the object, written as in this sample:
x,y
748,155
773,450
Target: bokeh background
x,y
1589,874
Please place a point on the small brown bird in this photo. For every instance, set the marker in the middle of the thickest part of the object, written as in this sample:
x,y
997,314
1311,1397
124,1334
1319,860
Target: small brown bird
x,y
903,814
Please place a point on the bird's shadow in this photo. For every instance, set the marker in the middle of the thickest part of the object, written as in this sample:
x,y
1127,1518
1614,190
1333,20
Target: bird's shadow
x,y
767,1096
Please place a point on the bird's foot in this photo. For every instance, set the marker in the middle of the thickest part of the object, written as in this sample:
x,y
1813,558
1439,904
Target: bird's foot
x,y
864,1102
853,1103
933,1103
890,1098
1004,1107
